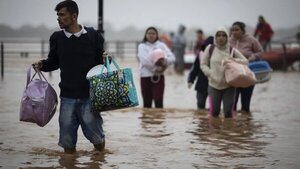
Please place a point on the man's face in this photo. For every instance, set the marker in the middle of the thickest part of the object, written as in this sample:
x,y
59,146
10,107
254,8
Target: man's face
x,y
65,18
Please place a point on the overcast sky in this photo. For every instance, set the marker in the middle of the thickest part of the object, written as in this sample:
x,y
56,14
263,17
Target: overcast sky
x,y
166,14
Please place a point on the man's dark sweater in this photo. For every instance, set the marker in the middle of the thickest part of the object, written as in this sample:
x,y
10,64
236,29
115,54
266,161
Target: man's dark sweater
x,y
74,56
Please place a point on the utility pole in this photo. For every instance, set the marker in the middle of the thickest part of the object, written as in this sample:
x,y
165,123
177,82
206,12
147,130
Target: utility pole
x,y
2,60
100,17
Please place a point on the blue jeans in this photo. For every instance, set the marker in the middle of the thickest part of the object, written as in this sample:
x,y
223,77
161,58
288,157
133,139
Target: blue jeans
x,y
75,112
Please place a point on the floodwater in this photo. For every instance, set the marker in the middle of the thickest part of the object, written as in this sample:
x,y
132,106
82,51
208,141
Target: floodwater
x,y
178,136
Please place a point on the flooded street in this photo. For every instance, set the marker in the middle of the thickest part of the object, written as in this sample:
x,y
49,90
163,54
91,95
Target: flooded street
x,y
178,136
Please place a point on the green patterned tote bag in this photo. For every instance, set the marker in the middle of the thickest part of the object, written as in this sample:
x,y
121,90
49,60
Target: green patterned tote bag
x,y
112,89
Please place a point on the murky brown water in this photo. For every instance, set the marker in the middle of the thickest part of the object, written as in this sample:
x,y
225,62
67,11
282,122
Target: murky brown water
x,y
175,137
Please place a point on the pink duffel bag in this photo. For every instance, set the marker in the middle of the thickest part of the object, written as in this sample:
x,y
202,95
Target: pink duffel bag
x,y
238,74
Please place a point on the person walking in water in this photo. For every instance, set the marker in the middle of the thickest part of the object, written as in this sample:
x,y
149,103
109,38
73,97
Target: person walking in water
x,y
264,32
252,50
154,57
196,73
179,44
214,57
75,50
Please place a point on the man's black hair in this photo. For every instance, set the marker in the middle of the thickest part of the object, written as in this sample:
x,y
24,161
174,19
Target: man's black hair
x,y
69,4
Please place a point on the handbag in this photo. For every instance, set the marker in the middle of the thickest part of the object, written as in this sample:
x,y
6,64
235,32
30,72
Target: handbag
x,y
238,74
113,89
39,100
157,55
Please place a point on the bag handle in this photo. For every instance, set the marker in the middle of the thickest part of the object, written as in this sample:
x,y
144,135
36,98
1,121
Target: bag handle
x,y
29,78
40,74
232,52
158,78
36,72
107,65
28,75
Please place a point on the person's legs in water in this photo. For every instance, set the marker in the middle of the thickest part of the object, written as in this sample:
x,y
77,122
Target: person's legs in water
x,y
158,103
228,101
158,92
91,124
236,99
68,125
246,95
181,63
215,98
201,100
146,88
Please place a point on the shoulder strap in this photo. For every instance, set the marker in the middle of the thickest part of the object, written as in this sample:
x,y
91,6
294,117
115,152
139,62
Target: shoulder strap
x,y
231,50
211,49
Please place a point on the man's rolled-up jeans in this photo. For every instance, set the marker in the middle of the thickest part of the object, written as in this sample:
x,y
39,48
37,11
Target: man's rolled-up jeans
x,y
75,112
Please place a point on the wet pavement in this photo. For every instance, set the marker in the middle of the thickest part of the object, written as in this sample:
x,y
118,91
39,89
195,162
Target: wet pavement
x,y
178,136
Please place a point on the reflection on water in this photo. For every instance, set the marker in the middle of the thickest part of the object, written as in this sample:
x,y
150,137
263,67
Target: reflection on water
x,y
224,142
230,137
82,160
152,120
57,159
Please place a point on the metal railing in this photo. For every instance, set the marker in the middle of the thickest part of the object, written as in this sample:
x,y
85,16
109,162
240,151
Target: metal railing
x,y
37,49
14,50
